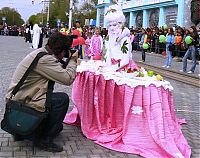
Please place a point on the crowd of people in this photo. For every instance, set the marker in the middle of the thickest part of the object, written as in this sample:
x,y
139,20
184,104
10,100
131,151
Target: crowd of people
x,y
174,46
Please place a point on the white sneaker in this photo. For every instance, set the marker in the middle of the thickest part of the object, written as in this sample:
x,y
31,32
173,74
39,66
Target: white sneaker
x,y
190,72
181,70
164,66
168,67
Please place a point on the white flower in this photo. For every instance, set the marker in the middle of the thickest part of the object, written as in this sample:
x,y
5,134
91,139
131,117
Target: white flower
x,y
179,155
96,100
137,110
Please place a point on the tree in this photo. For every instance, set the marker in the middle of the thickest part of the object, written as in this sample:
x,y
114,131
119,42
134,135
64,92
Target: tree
x,y
59,10
38,18
12,16
86,11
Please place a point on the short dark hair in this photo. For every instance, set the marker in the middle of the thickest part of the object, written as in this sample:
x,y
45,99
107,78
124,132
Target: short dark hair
x,y
77,21
58,42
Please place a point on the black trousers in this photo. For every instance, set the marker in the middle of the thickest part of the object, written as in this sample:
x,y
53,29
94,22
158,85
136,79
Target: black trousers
x,y
53,124
143,54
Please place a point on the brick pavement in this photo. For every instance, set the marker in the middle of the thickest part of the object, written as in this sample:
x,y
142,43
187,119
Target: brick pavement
x,y
13,49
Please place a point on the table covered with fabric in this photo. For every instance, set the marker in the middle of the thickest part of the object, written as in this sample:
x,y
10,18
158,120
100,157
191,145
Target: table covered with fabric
x,y
127,115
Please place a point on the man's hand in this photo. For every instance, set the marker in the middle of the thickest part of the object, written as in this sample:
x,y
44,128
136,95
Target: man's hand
x,y
75,55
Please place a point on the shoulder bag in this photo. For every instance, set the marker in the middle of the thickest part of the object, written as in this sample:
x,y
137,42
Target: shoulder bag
x,y
19,118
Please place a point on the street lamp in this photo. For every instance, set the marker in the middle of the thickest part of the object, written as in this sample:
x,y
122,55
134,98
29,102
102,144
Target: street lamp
x,y
48,11
70,13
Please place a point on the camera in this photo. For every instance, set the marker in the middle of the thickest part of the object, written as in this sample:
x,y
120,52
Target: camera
x,y
71,50
68,46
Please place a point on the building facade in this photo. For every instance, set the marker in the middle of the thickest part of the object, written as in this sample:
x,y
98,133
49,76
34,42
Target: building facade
x,y
149,13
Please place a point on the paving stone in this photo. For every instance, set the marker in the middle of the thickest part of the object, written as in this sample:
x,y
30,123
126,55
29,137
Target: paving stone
x,y
20,153
6,153
97,151
4,143
8,148
95,156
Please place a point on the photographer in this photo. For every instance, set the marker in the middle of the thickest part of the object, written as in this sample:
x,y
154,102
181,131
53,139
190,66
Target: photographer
x,y
34,89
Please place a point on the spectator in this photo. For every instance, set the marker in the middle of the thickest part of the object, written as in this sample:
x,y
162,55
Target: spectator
x,y
142,41
192,50
177,43
169,44
96,46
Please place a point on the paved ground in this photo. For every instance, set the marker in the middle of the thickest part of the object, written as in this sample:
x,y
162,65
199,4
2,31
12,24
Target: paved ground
x,y
186,98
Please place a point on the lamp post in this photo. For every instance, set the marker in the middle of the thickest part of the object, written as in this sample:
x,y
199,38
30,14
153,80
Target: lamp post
x,y
48,8
70,13
48,13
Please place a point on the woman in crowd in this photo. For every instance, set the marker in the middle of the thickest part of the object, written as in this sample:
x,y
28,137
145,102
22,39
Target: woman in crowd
x,y
169,44
192,50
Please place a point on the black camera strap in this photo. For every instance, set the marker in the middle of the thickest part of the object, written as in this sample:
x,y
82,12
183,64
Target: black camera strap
x,y
30,68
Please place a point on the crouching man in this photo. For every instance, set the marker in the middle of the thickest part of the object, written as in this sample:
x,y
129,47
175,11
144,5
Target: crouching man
x,y
34,89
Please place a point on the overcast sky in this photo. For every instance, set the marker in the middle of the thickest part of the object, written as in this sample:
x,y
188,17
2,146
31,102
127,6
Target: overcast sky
x,y
24,7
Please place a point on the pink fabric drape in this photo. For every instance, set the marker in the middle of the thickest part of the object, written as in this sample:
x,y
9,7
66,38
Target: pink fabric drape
x,y
105,112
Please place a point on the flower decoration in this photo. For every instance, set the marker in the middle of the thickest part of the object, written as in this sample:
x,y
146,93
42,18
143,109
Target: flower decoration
x,y
179,155
136,110
96,100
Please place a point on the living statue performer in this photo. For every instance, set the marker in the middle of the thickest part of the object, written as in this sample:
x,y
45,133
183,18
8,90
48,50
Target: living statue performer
x,y
118,46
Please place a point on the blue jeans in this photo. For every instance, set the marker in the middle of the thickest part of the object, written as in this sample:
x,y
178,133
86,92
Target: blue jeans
x,y
168,56
191,51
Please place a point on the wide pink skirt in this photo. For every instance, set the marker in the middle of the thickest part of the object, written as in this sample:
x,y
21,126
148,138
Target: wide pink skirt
x,y
138,120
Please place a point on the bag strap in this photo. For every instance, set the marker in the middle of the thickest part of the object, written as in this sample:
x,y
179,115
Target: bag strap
x,y
31,67
50,83
48,95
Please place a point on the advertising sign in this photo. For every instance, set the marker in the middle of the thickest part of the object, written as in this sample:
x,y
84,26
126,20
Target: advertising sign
x,y
3,18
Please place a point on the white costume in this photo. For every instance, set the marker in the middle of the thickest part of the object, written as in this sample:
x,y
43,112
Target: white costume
x,y
36,35
118,47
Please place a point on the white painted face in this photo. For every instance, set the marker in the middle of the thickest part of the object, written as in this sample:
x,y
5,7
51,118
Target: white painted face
x,y
113,27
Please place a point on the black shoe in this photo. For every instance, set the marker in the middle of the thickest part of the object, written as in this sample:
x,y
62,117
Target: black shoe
x,y
48,146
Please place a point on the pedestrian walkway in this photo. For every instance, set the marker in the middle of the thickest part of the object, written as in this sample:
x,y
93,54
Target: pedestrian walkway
x,y
158,60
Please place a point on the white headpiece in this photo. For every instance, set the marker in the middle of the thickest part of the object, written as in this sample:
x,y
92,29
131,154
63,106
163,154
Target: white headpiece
x,y
114,13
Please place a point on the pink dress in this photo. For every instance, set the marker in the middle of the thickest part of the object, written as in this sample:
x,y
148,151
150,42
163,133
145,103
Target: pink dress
x,y
87,47
96,45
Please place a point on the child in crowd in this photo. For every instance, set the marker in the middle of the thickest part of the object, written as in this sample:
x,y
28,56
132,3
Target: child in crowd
x,y
88,44
96,46
177,42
